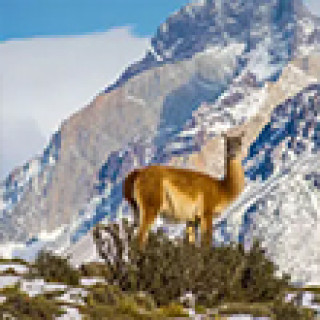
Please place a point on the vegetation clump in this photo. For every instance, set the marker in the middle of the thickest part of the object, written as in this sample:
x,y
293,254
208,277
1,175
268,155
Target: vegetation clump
x,y
109,302
173,309
168,269
152,284
21,306
54,268
316,299
282,310
94,269
14,260
9,271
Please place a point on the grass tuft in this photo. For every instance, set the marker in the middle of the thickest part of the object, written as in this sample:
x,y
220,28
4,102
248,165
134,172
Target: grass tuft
x,y
54,269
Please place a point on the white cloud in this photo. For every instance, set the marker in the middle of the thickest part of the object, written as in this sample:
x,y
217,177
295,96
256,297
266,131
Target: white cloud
x,y
45,80
21,138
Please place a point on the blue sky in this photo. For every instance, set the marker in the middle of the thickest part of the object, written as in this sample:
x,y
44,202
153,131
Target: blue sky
x,y
29,18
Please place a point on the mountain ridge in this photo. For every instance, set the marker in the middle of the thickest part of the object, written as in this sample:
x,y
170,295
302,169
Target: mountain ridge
x,y
164,113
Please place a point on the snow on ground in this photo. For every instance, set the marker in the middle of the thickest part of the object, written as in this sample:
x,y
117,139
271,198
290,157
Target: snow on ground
x,y
39,286
32,287
74,295
87,282
29,251
18,268
6,281
71,314
307,301
7,249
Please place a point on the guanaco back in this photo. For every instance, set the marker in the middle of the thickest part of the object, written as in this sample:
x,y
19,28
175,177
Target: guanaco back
x,y
183,194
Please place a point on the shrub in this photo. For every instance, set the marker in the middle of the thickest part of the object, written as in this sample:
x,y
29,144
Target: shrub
x,y
109,302
14,260
257,281
54,269
173,310
10,290
144,301
254,309
21,306
282,310
168,269
104,294
94,269
200,309
316,299
9,271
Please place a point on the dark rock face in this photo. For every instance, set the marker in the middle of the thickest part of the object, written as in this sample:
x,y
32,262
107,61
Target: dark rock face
x,y
293,128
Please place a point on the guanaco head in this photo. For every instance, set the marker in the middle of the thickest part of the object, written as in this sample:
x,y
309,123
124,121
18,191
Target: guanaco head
x,y
233,145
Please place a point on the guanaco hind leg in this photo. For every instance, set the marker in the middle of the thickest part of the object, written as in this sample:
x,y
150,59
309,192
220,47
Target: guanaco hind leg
x,y
147,217
206,228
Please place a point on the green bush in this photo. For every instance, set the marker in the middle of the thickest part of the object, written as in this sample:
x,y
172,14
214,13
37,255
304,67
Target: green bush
x,y
9,271
21,306
104,294
10,290
94,269
316,299
14,260
109,302
173,310
200,309
168,269
150,283
54,269
282,310
254,309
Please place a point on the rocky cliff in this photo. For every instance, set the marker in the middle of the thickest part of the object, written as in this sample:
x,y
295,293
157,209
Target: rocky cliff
x,y
213,66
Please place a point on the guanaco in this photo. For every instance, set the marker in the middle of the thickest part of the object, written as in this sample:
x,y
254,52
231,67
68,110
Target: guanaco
x,y
184,194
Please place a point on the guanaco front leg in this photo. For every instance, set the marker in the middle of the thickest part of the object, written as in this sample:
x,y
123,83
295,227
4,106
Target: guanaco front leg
x,y
206,228
191,231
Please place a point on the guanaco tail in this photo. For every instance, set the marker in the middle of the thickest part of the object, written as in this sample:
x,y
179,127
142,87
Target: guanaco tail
x,y
183,194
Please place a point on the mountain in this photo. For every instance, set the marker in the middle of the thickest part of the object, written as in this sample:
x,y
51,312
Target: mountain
x,y
282,207
212,66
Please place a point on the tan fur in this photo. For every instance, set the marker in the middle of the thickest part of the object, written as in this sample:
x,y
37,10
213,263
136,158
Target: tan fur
x,y
183,194
178,205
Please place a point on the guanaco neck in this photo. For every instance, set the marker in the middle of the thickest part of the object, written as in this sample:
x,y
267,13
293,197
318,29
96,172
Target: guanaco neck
x,y
234,177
